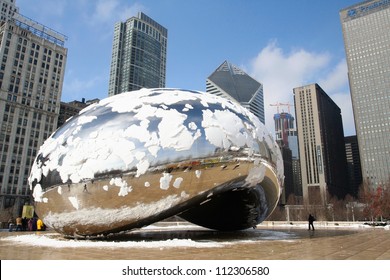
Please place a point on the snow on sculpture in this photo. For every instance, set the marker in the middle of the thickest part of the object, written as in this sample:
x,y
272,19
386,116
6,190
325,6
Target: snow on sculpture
x,y
142,156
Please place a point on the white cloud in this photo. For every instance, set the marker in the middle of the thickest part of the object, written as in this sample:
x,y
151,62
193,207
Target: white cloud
x,y
280,72
105,10
127,12
47,8
337,78
76,88
109,11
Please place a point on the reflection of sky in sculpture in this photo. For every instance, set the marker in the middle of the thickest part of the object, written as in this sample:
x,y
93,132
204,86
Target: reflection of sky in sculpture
x,y
142,129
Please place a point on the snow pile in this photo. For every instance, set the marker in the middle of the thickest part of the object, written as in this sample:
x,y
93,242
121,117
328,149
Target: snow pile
x,y
53,242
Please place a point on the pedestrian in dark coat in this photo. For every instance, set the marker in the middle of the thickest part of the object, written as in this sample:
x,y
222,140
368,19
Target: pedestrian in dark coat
x,y
34,224
311,220
24,224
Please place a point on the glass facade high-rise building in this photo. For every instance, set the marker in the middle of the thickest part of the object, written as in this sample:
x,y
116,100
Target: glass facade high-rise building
x,y
354,166
366,35
139,52
232,83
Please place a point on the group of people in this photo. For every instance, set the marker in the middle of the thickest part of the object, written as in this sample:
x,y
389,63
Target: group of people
x,y
25,224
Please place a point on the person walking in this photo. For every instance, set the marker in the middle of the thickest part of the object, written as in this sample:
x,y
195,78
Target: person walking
x,y
311,220
19,224
10,224
24,223
30,224
34,224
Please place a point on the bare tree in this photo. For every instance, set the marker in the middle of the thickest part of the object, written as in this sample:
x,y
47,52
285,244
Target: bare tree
x,y
386,202
376,201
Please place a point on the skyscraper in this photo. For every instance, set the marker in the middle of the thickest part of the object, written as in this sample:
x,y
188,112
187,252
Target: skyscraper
x,y
8,9
139,53
284,127
321,145
354,166
367,39
31,77
231,82
286,137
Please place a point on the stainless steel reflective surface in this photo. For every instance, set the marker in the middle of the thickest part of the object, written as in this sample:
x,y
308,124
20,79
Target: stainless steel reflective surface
x,y
139,157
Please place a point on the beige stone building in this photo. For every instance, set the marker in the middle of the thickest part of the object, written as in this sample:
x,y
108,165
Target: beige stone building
x,y
321,145
32,68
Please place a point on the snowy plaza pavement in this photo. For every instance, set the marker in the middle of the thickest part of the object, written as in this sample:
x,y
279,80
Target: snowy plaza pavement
x,y
188,242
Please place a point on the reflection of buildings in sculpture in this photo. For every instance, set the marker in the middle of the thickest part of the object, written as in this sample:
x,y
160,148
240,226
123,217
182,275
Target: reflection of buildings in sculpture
x,y
232,83
288,187
31,80
321,145
286,137
139,51
366,34
353,161
70,109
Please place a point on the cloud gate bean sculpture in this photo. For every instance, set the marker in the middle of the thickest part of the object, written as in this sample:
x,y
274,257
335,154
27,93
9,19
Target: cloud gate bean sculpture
x,y
142,156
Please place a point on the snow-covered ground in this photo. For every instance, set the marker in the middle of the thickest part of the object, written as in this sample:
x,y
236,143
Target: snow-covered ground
x,y
179,235
191,236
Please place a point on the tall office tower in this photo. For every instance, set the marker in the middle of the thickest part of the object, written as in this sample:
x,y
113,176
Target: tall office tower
x,y
367,38
353,162
284,127
232,83
286,137
296,164
288,186
8,9
139,54
321,145
31,77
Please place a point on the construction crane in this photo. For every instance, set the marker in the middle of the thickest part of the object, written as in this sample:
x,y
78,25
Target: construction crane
x,y
281,104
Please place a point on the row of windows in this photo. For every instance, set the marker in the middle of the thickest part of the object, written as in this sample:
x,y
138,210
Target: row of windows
x,y
367,41
141,26
37,105
51,104
34,51
309,137
22,130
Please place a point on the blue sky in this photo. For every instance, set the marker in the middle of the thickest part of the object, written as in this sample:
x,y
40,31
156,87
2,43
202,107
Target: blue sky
x,y
283,44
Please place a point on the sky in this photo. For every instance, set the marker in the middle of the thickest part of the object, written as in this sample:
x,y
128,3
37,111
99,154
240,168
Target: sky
x,y
282,44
